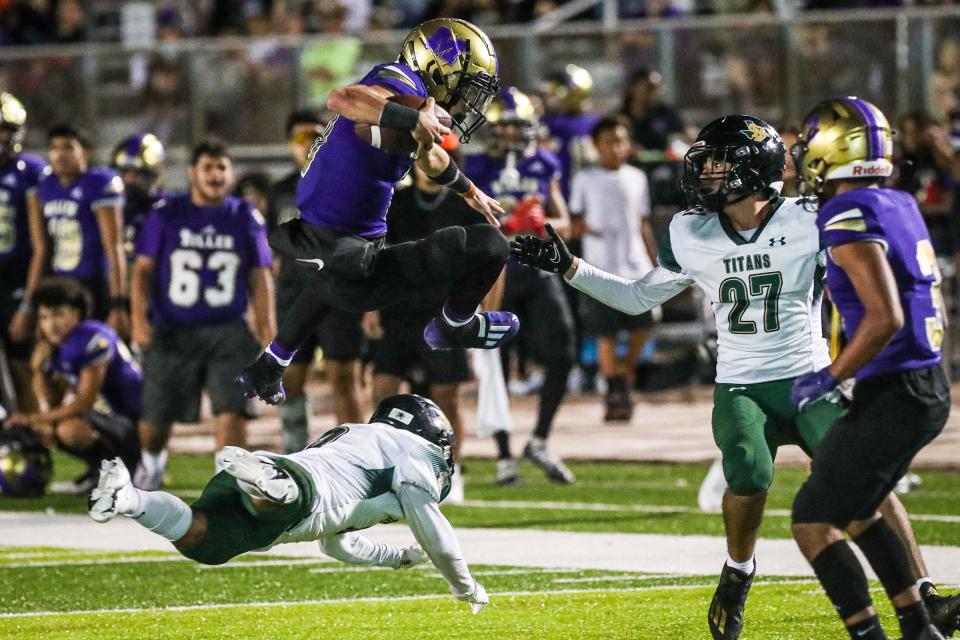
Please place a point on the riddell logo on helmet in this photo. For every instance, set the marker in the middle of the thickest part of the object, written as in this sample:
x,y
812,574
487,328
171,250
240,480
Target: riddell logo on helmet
x,y
869,171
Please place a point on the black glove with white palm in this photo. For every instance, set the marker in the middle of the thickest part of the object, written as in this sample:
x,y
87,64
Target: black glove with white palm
x,y
547,255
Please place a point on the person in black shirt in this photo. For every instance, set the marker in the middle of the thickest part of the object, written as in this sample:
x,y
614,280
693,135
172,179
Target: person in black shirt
x,y
652,122
339,336
399,353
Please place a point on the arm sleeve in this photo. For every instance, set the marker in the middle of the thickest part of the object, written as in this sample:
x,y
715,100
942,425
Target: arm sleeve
x,y
111,194
353,548
99,348
262,257
629,296
395,78
150,236
855,224
436,536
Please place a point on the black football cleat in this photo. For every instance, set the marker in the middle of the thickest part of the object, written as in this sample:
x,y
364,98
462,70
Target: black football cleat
x,y
726,608
263,379
930,633
944,611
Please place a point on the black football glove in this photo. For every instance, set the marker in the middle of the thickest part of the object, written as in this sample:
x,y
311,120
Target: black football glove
x,y
547,255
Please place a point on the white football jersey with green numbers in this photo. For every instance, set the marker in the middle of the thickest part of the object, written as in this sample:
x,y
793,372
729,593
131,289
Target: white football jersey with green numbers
x,y
764,287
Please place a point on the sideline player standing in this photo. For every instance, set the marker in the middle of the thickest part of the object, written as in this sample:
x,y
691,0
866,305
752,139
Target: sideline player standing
x,y
883,278
398,466
757,258
526,180
22,245
139,159
83,210
346,189
340,335
202,257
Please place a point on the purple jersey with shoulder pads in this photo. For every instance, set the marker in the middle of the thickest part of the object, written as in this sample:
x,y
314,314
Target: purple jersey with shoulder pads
x,y
70,215
92,342
18,179
572,142
891,218
533,176
202,259
347,184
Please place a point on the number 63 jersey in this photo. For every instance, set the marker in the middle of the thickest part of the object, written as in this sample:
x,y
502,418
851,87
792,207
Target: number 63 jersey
x,y
764,286
202,259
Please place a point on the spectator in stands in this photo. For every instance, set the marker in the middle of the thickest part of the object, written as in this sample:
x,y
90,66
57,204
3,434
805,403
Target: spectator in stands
x,y
165,92
330,61
339,336
633,9
202,260
925,164
400,354
23,23
83,218
945,89
653,122
70,22
610,209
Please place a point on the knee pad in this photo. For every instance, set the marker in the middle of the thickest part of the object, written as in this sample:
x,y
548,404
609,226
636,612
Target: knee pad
x,y
485,244
745,475
445,252
813,505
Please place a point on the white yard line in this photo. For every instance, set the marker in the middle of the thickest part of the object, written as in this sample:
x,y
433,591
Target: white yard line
x,y
513,547
432,596
648,508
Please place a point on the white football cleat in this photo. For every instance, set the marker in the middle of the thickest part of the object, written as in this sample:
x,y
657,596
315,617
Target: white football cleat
x,y
710,496
258,477
114,492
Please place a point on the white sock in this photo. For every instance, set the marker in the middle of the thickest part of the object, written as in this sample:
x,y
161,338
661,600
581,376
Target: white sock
x,y
922,580
153,462
455,323
747,567
163,513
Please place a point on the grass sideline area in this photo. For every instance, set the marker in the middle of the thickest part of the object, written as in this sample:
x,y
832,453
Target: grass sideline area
x,y
623,497
80,595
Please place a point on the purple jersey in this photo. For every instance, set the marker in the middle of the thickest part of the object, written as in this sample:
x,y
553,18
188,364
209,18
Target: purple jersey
x,y
202,260
572,143
70,214
18,178
532,176
347,184
891,218
91,343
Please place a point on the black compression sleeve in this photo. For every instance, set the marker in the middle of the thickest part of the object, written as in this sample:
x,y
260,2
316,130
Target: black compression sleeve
x,y
398,116
453,178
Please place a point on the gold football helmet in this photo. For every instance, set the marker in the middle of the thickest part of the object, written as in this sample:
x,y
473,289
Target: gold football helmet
x,y
513,107
142,152
457,63
12,117
569,88
843,138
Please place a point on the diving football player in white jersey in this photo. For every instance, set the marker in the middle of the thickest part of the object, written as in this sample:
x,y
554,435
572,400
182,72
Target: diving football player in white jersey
x,y
398,466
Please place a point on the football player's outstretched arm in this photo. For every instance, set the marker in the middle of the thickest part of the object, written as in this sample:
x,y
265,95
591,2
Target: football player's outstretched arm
x,y
629,296
353,548
435,535
359,103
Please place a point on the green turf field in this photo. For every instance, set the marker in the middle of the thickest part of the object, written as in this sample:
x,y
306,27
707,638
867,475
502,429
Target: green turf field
x,y
618,497
50,593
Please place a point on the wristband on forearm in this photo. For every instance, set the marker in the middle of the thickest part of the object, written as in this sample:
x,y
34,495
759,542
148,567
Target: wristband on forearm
x,y
120,302
25,307
453,178
398,116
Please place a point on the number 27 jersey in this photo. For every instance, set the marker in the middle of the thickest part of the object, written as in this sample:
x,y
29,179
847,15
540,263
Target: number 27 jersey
x,y
765,289
202,260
